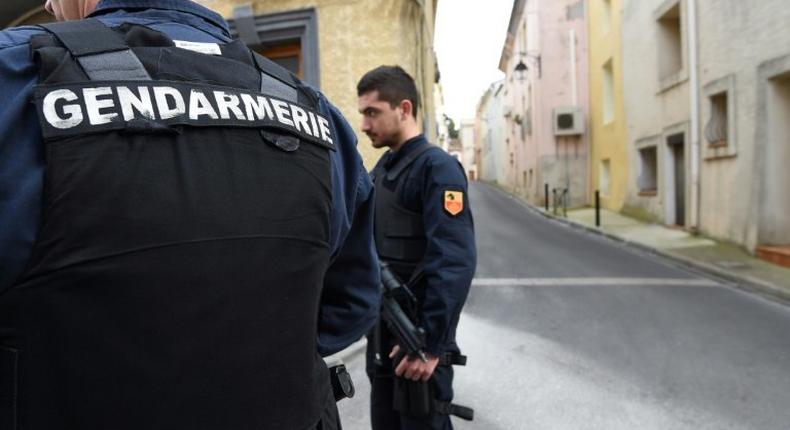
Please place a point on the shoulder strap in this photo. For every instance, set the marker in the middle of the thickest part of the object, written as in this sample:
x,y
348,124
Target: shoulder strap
x,y
279,82
406,161
101,52
275,80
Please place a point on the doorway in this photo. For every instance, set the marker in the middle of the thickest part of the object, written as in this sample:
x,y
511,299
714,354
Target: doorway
x,y
676,180
775,222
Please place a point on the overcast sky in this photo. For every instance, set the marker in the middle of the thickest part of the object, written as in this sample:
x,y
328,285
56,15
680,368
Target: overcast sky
x,y
468,42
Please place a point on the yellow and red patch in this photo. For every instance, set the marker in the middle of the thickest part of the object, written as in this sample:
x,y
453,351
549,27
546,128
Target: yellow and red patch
x,y
453,202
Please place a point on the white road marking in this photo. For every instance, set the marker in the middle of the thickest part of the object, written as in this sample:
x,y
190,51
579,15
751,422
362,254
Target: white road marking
x,y
541,282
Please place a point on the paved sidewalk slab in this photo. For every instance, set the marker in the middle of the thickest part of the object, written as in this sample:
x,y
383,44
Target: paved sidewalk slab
x,y
720,259
652,235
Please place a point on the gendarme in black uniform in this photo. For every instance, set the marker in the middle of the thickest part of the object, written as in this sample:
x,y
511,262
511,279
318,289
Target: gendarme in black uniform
x,y
170,174
424,230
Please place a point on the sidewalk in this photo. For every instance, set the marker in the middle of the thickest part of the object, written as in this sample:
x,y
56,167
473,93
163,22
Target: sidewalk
x,y
722,260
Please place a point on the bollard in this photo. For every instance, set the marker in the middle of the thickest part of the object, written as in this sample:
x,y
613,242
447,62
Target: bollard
x,y
554,199
597,208
546,189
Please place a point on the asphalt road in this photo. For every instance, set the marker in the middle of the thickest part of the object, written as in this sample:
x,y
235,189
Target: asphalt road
x,y
569,330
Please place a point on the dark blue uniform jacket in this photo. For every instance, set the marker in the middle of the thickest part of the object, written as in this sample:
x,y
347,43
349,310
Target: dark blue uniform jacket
x,y
350,299
450,255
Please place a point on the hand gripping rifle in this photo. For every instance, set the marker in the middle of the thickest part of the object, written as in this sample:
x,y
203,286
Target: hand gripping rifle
x,y
394,293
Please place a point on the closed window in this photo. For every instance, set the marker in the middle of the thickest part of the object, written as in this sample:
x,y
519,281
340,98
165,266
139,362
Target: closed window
x,y
716,128
648,171
604,176
670,42
287,38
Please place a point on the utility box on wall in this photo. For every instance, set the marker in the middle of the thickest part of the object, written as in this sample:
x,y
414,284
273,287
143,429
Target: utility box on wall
x,y
568,121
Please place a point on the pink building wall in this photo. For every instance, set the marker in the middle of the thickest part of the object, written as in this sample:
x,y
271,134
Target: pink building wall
x,y
542,28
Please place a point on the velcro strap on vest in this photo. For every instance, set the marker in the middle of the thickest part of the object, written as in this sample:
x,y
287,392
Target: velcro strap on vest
x,y
275,80
86,36
101,52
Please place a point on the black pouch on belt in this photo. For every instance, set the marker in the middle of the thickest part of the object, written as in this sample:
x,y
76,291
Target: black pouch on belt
x,y
412,398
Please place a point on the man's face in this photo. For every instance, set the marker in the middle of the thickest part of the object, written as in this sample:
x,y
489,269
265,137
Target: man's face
x,y
380,121
67,10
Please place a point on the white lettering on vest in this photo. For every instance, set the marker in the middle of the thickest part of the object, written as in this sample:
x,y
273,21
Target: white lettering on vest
x,y
301,120
326,135
130,103
63,109
94,105
313,123
282,112
256,107
228,102
73,112
199,105
163,97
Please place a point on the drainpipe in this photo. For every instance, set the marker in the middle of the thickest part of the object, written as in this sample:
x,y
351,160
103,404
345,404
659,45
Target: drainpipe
x,y
574,97
572,50
695,127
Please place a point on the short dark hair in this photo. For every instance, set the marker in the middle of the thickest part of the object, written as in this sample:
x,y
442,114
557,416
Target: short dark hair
x,y
393,84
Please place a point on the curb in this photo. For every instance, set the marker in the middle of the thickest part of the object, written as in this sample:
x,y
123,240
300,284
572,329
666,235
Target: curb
x,y
744,283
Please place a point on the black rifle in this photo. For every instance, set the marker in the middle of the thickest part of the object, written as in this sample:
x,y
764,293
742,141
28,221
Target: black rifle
x,y
413,397
394,293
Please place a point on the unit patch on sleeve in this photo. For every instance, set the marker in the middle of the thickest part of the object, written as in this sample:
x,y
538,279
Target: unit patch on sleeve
x,y
453,202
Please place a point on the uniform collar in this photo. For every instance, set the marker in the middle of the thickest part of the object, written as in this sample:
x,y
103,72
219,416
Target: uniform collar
x,y
108,6
409,146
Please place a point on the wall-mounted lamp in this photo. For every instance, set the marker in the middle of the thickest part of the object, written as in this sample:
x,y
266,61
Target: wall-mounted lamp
x,y
521,68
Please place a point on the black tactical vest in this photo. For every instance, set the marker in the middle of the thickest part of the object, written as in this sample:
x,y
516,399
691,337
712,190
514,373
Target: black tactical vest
x,y
399,231
176,277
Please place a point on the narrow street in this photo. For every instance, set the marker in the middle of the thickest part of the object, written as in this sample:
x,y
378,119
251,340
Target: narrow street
x,y
568,330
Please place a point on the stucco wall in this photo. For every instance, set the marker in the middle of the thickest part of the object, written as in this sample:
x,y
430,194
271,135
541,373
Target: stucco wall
x,y
737,38
654,111
544,29
492,127
356,36
608,138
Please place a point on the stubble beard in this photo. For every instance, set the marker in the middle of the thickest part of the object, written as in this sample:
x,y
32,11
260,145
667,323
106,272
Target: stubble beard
x,y
385,141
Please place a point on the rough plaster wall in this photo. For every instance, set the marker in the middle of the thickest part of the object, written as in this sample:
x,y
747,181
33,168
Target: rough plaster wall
x,y
736,37
608,140
498,137
492,128
555,170
358,35
649,110
547,28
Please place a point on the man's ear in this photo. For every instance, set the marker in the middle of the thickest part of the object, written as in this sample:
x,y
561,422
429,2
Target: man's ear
x,y
406,107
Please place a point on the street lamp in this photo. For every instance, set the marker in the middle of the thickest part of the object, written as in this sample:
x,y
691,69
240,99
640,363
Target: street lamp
x,y
521,67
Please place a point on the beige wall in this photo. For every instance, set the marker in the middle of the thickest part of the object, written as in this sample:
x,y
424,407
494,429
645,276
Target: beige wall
x,y
355,36
657,107
744,47
608,135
